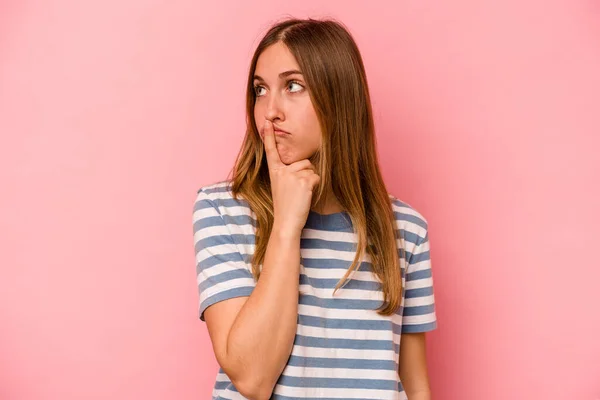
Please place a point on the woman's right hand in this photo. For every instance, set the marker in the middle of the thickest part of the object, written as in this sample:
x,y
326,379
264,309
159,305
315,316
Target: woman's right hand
x,y
291,186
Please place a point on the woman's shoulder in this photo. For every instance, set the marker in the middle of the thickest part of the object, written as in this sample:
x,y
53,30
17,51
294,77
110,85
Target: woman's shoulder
x,y
408,218
220,195
216,190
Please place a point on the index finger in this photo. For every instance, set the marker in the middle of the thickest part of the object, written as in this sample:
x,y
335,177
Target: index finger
x,y
273,159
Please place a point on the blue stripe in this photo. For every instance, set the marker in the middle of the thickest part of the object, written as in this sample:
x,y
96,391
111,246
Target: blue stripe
x,y
420,292
415,258
419,328
328,245
224,277
212,241
219,259
347,363
214,189
410,218
208,222
323,283
354,344
359,324
227,294
338,383
421,274
339,304
410,237
418,310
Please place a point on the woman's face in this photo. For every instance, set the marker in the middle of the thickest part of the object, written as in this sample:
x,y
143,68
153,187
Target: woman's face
x,y
282,97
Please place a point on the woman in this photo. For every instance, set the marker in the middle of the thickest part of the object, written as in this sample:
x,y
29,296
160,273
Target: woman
x,y
314,281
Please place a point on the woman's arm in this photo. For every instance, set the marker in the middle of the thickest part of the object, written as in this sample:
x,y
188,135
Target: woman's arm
x,y
412,366
253,336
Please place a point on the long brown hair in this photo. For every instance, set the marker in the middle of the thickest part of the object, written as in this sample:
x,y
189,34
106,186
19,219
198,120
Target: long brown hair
x,y
347,160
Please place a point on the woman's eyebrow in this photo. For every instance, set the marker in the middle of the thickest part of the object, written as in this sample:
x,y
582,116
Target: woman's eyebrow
x,y
281,75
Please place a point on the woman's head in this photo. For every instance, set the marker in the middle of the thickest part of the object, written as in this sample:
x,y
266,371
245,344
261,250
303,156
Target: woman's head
x,y
308,78
281,96
325,107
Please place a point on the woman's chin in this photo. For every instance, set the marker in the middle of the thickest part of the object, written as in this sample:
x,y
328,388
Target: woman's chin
x,y
287,159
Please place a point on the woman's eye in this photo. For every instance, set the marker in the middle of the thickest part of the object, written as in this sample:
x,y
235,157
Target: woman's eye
x,y
297,84
257,89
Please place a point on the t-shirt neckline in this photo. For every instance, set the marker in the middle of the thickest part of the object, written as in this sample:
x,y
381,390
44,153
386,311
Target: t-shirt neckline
x,y
335,221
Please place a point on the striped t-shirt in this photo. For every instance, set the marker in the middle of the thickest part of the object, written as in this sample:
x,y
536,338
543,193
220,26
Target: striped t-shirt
x,y
342,349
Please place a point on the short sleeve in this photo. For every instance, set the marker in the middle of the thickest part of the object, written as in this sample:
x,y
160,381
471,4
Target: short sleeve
x,y
419,313
221,271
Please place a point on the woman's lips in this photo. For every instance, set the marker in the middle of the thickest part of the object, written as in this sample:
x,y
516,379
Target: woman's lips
x,y
280,133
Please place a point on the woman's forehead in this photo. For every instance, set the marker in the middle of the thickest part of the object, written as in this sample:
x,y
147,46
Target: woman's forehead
x,y
276,59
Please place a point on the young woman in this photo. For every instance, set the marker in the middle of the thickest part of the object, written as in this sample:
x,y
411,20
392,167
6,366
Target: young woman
x,y
314,281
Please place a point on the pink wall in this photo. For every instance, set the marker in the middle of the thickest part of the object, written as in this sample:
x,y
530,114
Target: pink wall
x,y
113,113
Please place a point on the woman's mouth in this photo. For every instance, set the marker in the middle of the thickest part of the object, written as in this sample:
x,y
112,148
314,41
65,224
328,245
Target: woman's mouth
x,y
280,132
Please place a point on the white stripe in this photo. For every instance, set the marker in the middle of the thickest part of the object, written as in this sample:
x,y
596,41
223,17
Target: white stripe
x,y
210,231
320,332
205,212
419,283
336,273
342,293
216,185
364,315
220,268
316,393
418,301
231,395
203,276
228,394
231,284
330,253
222,377
420,266
319,352
238,211
407,210
329,236
221,249
350,373
419,319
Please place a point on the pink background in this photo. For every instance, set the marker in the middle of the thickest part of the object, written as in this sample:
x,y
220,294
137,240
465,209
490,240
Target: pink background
x,y
114,113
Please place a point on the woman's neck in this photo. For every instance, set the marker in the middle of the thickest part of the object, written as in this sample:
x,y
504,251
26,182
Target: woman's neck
x,y
327,205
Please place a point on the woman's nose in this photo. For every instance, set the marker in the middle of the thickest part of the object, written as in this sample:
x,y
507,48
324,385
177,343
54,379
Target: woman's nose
x,y
273,108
